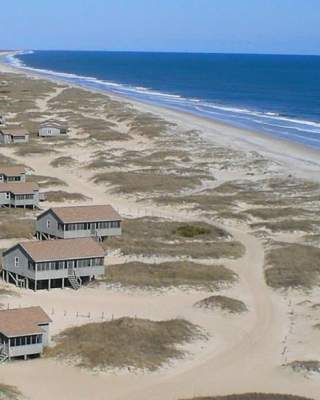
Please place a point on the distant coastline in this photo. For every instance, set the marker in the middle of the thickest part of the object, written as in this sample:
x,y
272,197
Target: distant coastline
x,y
289,127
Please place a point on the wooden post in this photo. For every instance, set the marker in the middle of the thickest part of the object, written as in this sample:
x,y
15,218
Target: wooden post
x,y
49,284
35,285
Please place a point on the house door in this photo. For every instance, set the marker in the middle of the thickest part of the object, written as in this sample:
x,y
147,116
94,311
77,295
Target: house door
x,y
70,265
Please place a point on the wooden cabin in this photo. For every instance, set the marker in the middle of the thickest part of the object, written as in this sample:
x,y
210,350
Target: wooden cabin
x,y
15,195
98,221
14,135
52,129
24,332
53,263
15,174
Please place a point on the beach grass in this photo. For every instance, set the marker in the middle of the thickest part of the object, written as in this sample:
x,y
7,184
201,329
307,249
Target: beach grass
x,y
124,343
170,274
9,393
254,396
60,196
293,265
46,181
155,236
223,303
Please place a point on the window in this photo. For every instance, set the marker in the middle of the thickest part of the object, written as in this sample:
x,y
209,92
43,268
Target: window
x,y
16,261
7,195
48,223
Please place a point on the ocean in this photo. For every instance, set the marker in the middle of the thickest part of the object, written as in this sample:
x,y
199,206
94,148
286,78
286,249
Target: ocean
x,y
272,94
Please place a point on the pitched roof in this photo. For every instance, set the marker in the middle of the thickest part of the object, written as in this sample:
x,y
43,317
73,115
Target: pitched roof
x,y
55,250
19,188
12,171
75,214
16,131
53,124
22,321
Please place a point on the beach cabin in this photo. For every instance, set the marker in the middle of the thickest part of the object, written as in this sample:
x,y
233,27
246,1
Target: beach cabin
x,y
15,195
53,263
13,135
12,174
98,221
24,332
53,129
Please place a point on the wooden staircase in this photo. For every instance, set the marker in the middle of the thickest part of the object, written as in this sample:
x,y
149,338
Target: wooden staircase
x,y
75,281
3,356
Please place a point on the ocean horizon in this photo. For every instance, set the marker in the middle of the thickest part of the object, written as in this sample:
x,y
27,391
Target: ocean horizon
x,y
278,95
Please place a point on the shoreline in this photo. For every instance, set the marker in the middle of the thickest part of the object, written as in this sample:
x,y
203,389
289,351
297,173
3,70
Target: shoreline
x,y
303,159
159,177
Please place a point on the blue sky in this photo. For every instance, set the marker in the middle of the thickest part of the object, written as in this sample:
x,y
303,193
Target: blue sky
x,y
245,26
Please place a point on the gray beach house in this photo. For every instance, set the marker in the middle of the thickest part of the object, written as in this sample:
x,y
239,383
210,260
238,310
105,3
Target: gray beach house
x,y
98,221
53,128
53,263
24,332
24,195
13,135
12,174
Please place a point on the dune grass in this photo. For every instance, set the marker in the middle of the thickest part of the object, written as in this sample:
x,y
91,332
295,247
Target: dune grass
x,y
170,274
289,225
307,366
60,196
223,303
124,343
293,265
254,396
146,181
29,149
64,161
46,181
9,393
190,231
16,223
154,236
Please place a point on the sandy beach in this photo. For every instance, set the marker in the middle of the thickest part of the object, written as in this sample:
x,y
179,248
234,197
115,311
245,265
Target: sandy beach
x,y
158,167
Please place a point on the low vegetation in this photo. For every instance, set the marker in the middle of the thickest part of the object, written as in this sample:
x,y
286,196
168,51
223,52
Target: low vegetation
x,y
170,274
190,231
46,181
65,161
124,343
155,236
293,265
223,303
146,181
309,366
9,393
29,149
60,196
254,396
290,225
16,223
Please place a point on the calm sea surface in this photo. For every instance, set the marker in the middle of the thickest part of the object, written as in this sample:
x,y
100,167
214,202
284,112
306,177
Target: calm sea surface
x,y
276,95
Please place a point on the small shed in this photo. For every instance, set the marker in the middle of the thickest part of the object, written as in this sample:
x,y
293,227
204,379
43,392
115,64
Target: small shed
x,y
53,128
14,135
24,332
